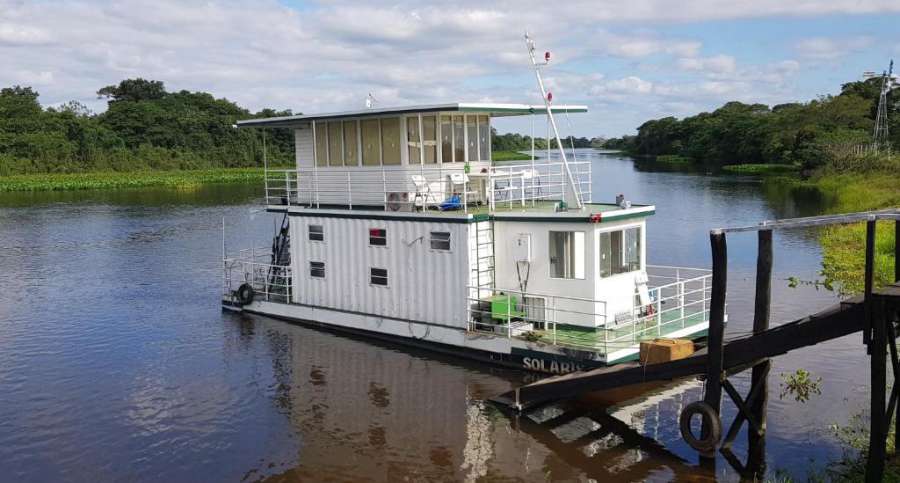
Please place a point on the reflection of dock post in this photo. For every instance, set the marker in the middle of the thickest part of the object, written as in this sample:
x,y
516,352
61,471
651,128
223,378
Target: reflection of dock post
x,y
716,327
756,454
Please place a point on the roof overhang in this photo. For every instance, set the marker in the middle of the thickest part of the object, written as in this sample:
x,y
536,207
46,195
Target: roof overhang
x,y
492,109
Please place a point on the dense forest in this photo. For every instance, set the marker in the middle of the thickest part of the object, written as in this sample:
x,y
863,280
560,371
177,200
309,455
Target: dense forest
x,y
803,134
147,127
144,127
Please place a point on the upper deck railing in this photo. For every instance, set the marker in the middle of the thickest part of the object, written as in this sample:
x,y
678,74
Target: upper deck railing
x,y
404,188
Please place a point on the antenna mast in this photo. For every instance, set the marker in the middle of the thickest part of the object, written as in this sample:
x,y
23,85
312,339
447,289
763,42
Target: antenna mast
x,y
575,193
880,136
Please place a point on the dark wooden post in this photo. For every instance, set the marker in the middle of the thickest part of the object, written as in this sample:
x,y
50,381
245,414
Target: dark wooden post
x,y
756,454
877,349
716,331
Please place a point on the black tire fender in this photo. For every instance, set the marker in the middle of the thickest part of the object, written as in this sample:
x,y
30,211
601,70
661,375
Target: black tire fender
x,y
711,421
245,294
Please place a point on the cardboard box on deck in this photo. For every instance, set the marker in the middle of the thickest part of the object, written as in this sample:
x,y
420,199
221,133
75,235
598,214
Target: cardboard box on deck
x,y
665,350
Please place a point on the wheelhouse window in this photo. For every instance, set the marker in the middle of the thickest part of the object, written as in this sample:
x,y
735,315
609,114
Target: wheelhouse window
x,y
335,144
321,144
413,142
351,147
484,138
317,269
429,139
620,251
440,240
378,276
371,142
567,254
378,237
446,139
472,137
316,233
459,140
390,141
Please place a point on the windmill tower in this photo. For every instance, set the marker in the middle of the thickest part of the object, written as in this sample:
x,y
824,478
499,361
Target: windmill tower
x,y
880,138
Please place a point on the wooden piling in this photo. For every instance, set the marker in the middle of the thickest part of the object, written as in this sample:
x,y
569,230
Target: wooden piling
x,y
756,455
716,331
878,367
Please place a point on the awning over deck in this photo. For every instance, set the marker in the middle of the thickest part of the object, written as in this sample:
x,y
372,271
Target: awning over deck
x,y
492,109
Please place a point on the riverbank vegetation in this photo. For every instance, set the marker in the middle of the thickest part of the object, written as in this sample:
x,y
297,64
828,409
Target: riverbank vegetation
x,y
145,127
804,134
119,180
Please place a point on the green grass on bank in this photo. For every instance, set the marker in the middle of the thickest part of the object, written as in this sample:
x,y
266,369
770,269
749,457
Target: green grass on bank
x,y
673,159
843,246
509,155
120,180
761,169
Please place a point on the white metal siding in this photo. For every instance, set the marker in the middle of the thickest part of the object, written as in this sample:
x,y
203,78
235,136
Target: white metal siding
x,y
303,142
423,284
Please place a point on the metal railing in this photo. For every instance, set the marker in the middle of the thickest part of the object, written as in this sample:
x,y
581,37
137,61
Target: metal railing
x,y
421,188
269,282
681,302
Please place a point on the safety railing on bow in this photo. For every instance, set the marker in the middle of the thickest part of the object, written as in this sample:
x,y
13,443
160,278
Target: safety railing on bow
x,y
674,308
445,188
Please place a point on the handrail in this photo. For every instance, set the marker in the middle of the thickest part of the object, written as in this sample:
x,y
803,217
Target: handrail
x,y
841,219
422,187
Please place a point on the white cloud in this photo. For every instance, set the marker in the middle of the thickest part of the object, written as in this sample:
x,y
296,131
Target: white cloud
x,y
328,55
828,48
719,64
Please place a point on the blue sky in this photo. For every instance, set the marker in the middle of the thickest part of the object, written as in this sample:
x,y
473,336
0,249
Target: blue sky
x,y
628,60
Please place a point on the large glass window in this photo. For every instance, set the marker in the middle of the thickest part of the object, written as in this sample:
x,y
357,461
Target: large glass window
x,y
390,140
472,133
567,254
484,138
371,141
413,143
620,251
351,148
321,144
335,144
459,140
446,140
429,138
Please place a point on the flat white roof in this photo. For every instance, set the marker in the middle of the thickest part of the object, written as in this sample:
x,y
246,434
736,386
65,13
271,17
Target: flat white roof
x,y
492,109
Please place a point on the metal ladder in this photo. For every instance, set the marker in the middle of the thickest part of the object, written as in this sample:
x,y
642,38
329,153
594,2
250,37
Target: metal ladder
x,y
484,256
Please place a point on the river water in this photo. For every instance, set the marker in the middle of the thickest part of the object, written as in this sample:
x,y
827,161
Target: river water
x,y
117,363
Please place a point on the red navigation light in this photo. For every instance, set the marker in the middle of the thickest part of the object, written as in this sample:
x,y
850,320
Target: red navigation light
x,y
596,217
549,97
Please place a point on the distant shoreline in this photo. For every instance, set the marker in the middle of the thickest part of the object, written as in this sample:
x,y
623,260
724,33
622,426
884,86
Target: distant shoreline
x,y
182,179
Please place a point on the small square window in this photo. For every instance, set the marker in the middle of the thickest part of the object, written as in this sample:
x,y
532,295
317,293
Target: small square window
x,y
317,269
316,233
378,237
440,240
378,276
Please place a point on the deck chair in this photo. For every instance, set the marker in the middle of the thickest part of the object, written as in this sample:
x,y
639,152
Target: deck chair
x,y
423,194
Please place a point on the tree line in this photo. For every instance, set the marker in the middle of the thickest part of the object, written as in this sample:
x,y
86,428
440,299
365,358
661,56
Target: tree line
x,y
521,142
806,134
144,127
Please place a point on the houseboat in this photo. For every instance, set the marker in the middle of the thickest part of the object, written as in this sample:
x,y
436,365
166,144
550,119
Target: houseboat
x,y
397,224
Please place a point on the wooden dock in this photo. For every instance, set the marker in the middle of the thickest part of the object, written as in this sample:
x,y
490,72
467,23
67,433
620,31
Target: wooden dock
x,y
876,314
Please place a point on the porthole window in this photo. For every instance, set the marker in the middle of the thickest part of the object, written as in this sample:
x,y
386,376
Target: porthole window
x,y
316,233
440,240
378,237
317,269
378,276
